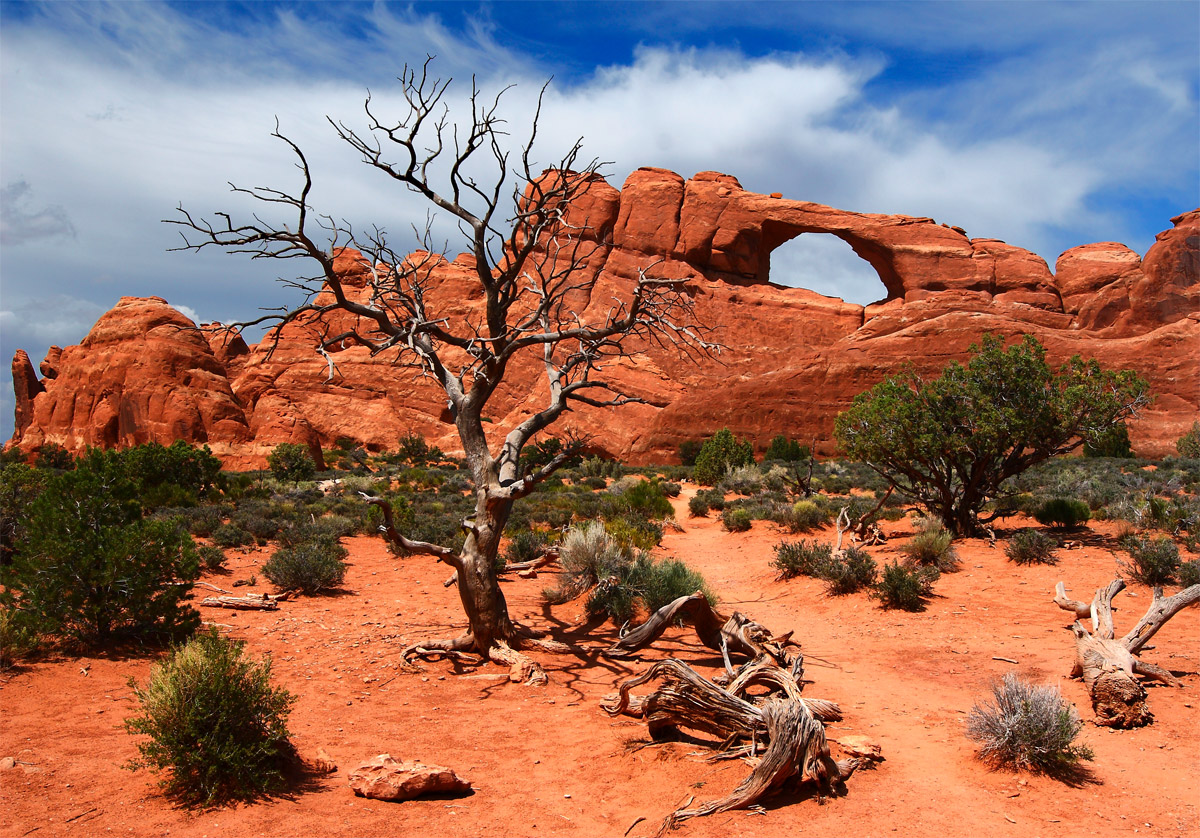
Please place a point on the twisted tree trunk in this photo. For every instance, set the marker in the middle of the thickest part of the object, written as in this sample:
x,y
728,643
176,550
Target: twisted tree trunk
x,y
1108,665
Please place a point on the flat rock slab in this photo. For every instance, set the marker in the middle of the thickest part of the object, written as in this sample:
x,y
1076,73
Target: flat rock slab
x,y
386,778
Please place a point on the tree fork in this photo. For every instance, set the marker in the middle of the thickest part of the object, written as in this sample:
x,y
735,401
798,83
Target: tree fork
x,y
1108,665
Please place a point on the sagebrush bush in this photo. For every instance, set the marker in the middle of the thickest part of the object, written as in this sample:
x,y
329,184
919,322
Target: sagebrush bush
x,y
1188,445
645,582
1152,561
1031,546
215,724
932,546
736,520
231,535
1026,726
1189,573
804,515
743,480
698,507
291,461
587,555
905,587
310,567
211,557
800,558
1065,513
851,571
634,533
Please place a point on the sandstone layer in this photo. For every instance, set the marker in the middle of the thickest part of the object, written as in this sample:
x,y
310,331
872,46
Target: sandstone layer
x,y
792,359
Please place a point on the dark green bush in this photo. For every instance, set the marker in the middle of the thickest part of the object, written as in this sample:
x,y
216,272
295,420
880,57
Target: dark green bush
x,y
202,521
595,482
20,486
905,587
89,568
715,498
932,546
1027,727
720,453
698,506
689,450
851,571
310,567
1064,513
17,636
292,461
788,451
53,456
671,490
211,558
638,497
174,475
215,724
1030,546
1114,442
634,533
1152,561
801,558
736,520
1188,445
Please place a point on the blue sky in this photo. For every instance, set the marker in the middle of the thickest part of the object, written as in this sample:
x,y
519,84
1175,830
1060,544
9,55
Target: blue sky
x,y
1047,125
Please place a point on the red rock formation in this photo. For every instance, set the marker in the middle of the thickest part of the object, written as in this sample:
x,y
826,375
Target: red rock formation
x,y
793,358
143,374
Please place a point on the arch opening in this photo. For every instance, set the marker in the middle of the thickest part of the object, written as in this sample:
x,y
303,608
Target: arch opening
x,y
826,264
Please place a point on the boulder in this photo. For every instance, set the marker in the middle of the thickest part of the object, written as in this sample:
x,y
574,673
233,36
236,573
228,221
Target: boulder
x,y
386,778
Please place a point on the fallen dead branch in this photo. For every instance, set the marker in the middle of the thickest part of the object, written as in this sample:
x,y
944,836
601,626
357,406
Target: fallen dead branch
x,y
251,602
1107,665
780,731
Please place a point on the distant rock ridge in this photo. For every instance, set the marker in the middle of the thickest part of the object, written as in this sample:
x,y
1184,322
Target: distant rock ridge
x,y
792,360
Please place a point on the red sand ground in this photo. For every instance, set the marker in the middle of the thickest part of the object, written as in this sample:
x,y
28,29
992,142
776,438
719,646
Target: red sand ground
x,y
549,761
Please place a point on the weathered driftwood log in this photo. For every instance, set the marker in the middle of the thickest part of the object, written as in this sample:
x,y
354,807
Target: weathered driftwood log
x,y
253,602
734,634
1108,665
783,732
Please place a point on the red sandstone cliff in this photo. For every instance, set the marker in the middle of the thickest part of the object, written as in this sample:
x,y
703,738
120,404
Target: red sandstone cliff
x,y
793,358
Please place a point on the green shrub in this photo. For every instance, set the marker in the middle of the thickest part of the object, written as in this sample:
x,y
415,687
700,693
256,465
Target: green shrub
x,y
698,506
715,498
905,587
20,486
51,455
789,451
310,566
671,490
1152,561
1189,573
525,546
1188,445
1030,546
851,571
651,583
1113,442
1065,513
231,535
1027,727
202,521
215,724
689,450
804,516
89,568
174,475
211,557
639,497
718,455
17,637
587,554
595,482
736,520
291,461
633,533
932,546
801,558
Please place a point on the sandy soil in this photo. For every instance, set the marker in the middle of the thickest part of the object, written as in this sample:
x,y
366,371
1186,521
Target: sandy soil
x,y
549,761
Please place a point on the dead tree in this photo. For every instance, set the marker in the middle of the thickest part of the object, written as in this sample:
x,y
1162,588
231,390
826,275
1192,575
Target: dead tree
x,y
1108,665
535,273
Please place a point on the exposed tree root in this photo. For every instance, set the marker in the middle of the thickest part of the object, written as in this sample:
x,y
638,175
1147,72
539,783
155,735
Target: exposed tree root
x,y
786,723
521,668
1108,665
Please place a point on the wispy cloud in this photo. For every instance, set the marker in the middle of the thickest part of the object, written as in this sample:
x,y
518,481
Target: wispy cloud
x,y
20,223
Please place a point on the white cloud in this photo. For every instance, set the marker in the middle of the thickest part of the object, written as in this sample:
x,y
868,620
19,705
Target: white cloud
x,y
20,224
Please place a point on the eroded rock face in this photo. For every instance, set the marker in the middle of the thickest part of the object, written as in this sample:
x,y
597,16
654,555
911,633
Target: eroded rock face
x,y
792,359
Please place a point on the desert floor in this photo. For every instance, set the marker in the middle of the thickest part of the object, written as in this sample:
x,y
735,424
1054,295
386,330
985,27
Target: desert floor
x,y
548,760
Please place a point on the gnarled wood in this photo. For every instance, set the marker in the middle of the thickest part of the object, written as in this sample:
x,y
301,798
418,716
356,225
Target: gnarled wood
x,y
737,633
1107,665
787,723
